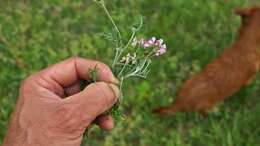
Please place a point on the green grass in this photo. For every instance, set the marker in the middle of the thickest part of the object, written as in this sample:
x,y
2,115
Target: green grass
x,y
37,33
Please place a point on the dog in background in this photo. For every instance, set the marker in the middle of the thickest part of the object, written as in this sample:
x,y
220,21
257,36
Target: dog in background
x,y
235,67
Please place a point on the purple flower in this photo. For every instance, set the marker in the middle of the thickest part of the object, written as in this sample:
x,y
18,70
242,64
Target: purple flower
x,y
160,51
146,45
152,41
161,48
159,42
158,45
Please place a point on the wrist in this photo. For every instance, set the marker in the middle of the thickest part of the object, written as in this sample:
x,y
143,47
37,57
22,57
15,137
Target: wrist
x,y
21,137
18,135
35,137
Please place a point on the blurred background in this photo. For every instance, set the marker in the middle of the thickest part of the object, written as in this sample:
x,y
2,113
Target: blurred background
x,y
37,33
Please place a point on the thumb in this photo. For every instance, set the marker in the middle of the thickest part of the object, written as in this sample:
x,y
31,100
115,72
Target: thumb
x,y
94,100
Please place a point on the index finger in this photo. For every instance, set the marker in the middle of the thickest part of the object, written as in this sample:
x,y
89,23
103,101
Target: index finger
x,y
74,69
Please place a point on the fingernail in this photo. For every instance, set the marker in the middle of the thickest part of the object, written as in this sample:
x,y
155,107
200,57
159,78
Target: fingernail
x,y
115,90
114,80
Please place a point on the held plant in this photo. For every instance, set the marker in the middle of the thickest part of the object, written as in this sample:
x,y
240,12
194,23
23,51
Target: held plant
x,y
133,57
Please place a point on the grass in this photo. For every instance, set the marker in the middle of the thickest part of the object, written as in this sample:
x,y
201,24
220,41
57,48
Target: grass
x,y
37,33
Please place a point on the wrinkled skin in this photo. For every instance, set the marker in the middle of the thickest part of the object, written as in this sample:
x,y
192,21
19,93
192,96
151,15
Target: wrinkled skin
x,y
235,67
52,110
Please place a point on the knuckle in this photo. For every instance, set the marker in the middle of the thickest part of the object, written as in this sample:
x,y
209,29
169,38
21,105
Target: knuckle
x,y
107,93
75,58
101,84
27,80
105,66
26,84
101,65
97,86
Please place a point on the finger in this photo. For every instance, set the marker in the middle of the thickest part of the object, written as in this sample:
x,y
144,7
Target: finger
x,y
74,69
105,122
94,100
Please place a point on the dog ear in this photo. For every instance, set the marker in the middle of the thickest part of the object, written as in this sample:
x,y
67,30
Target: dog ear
x,y
244,11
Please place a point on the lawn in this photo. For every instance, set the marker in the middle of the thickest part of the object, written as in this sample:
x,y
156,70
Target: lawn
x,y
37,33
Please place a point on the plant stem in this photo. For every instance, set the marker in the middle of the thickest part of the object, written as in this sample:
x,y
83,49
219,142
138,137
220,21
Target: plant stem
x,y
147,56
120,51
115,58
134,31
102,3
122,70
120,44
120,88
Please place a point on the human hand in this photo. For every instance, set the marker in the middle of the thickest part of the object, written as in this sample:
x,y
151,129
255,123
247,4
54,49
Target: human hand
x,y
51,109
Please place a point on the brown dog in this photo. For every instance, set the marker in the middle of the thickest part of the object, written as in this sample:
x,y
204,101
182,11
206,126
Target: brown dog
x,y
235,67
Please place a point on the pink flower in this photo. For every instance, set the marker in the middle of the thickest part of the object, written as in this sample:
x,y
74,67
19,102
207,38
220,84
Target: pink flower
x,y
160,51
159,42
146,45
161,48
153,42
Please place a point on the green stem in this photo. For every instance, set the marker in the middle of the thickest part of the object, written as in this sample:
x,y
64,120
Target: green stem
x,y
102,3
115,58
120,44
119,53
147,56
122,70
120,88
134,31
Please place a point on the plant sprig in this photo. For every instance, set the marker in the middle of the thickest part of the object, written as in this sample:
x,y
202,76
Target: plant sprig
x,y
133,57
